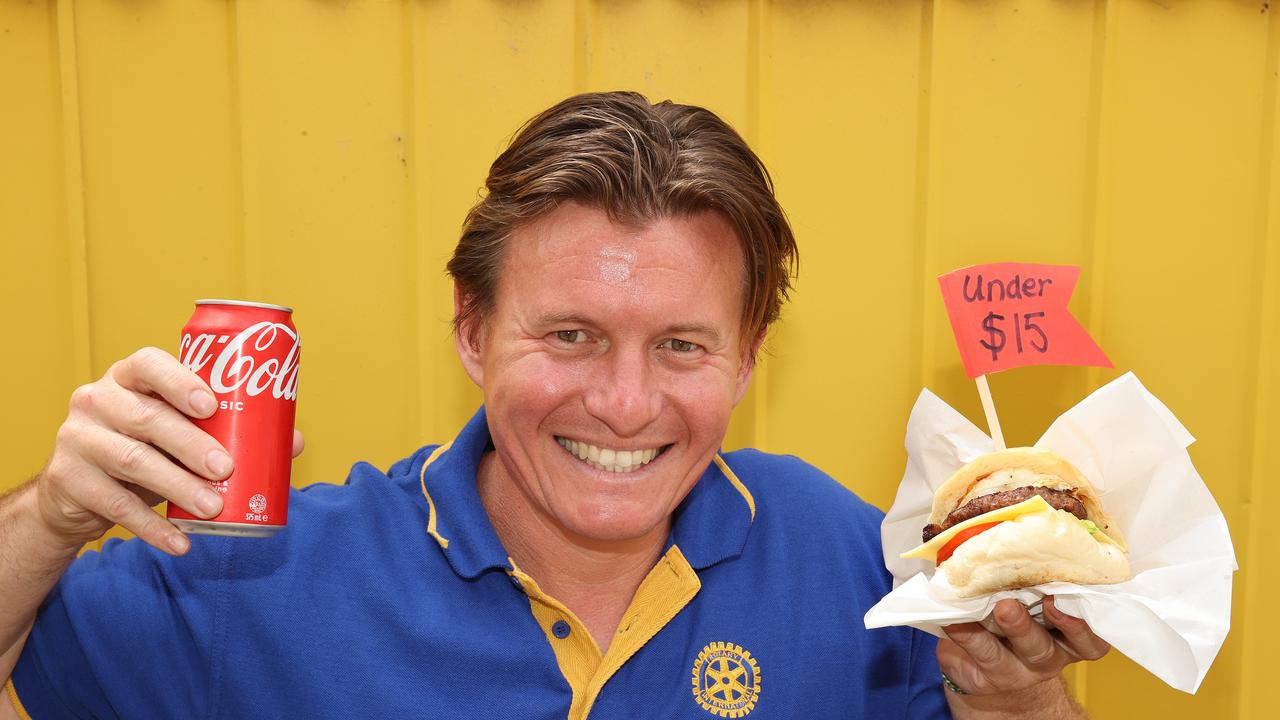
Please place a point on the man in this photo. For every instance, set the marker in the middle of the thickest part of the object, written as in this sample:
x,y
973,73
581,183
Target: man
x,y
579,548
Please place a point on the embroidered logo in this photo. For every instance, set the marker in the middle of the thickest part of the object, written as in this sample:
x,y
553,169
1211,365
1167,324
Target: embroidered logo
x,y
726,680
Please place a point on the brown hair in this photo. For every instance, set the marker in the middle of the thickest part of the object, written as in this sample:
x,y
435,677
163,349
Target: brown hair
x,y
638,162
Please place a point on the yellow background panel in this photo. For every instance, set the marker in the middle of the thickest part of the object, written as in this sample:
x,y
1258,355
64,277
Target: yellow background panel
x,y
323,155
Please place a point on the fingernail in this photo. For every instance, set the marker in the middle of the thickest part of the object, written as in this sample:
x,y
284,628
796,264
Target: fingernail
x,y
179,543
218,462
1008,614
208,502
202,402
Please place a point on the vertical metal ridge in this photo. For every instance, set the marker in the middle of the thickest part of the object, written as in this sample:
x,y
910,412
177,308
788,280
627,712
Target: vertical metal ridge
x,y
250,235
237,141
1097,207
427,285
922,350
755,38
1095,219
74,192
583,23
1266,315
755,29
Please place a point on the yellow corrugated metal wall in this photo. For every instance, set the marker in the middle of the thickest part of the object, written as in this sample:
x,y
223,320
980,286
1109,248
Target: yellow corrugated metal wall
x,y
322,154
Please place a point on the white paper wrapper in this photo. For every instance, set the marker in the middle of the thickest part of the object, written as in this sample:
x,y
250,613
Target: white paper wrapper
x,y
1172,616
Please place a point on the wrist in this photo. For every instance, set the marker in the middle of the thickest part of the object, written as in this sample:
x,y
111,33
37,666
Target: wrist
x,y
25,519
1048,701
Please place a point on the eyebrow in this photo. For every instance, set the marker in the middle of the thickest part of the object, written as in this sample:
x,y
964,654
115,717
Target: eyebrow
x,y
568,318
695,329
562,318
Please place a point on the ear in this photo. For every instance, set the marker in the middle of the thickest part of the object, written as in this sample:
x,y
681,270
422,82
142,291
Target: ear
x,y
748,366
468,351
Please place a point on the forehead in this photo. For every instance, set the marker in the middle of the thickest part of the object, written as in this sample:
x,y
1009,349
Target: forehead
x,y
575,229
577,252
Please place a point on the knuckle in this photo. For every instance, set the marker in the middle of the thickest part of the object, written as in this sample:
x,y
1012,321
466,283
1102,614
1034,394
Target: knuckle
x,y
149,355
82,398
117,505
117,368
144,414
131,455
68,435
139,361
56,472
985,652
1042,658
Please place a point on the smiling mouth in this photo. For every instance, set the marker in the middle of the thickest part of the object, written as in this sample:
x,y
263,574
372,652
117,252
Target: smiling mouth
x,y
608,459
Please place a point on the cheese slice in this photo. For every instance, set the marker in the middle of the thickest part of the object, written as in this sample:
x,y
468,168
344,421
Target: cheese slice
x,y
1034,504
929,550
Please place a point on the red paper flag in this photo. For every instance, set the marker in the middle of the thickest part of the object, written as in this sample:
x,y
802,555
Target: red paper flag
x,y
1007,315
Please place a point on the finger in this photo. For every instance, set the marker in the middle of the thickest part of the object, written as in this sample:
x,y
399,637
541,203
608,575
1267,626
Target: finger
x,y
298,443
977,660
149,498
111,500
133,461
154,421
1079,638
956,664
1031,644
155,372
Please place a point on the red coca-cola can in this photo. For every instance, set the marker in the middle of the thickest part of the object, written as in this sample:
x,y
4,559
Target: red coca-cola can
x,y
248,352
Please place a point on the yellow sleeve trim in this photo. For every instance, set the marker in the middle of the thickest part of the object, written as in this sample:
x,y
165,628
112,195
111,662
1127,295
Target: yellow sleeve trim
x,y
13,698
742,489
431,506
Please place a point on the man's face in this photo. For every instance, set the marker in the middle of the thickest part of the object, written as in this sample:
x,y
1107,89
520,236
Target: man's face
x,y
610,365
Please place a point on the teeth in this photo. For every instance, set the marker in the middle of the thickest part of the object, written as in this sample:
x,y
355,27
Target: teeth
x,y
607,459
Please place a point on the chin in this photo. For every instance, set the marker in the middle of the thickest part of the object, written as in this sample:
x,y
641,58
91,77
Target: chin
x,y
613,524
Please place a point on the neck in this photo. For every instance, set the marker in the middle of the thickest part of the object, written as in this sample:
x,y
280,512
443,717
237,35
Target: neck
x,y
596,579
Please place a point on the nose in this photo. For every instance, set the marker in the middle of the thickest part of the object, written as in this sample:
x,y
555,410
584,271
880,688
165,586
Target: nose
x,y
624,393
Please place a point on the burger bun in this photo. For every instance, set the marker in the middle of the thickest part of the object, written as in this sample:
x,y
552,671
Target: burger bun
x,y
1031,549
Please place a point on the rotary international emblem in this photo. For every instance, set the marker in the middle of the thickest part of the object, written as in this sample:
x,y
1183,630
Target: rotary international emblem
x,y
726,680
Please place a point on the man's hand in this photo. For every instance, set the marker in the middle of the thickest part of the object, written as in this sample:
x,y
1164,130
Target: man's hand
x,y
1019,673
128,442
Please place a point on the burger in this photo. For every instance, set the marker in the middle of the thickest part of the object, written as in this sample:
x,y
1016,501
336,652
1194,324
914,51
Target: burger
x,y
1020,517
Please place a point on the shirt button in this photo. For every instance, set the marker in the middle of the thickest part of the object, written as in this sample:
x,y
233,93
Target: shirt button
x,y
560,629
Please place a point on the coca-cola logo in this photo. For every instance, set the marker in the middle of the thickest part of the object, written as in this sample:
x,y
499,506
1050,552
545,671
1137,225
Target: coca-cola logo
x,y
240,362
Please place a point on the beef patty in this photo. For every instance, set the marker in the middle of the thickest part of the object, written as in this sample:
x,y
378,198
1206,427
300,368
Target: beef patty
x,y
1059,499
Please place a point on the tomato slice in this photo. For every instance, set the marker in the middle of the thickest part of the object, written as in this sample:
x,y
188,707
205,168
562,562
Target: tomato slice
x,y
958,540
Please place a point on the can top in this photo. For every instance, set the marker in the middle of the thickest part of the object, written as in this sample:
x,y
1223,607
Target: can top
x,y
245,303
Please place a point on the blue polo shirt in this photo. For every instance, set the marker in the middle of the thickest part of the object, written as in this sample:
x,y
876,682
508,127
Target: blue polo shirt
x,y
391,596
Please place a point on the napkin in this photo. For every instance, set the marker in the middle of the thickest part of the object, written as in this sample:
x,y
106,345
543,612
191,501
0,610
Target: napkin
x,y
1171,617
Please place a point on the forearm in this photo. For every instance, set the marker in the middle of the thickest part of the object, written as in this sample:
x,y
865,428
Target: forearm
x,y
31,561
1046,701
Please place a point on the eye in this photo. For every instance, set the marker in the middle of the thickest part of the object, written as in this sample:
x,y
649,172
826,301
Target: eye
x,y
571,336
681,346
